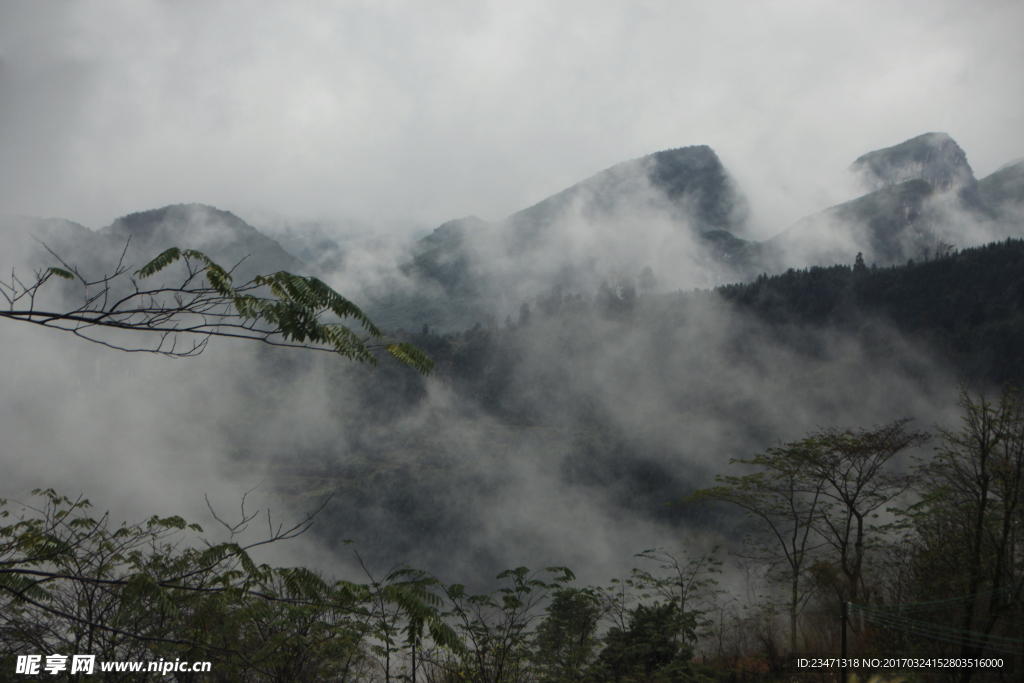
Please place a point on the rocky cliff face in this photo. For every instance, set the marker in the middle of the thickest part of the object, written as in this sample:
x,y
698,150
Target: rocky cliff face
x,y
933,157
687,185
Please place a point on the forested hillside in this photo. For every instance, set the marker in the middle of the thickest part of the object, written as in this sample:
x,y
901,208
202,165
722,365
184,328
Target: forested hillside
x,y
967,305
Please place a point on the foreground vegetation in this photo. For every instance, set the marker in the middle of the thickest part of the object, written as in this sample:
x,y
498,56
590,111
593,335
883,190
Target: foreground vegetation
x,y
831,520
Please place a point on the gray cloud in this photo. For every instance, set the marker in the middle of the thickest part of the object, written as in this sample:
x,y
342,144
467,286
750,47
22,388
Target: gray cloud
x,y
401,114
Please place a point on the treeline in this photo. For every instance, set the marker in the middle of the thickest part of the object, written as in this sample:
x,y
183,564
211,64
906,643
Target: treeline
x,y
930,560
967,305
964,306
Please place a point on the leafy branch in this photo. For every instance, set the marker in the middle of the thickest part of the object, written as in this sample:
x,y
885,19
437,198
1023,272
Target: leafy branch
x,y
280,309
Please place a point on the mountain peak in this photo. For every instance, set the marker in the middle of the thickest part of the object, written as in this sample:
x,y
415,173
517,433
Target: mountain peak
x,y
697,172
144,224
935,158
222,235
690,185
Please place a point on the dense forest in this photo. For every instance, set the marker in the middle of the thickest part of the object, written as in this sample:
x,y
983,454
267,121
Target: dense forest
x,y
967,305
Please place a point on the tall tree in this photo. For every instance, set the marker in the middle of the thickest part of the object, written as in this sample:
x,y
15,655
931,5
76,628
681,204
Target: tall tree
x,y
497,627
566,639
784,500
971,520
858,483
690,582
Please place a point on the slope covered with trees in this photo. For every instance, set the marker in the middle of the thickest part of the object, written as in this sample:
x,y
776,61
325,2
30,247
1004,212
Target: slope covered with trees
x,y
966,305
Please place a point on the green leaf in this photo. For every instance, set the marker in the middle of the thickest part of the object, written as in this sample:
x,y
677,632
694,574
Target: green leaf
x,y
61,273
408,355
160,262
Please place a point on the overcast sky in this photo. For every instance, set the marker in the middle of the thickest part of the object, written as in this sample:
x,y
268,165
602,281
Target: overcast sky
x,y
413,113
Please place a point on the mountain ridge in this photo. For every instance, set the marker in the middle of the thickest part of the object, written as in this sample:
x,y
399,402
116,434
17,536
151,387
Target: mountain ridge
x,y
679,205
222,235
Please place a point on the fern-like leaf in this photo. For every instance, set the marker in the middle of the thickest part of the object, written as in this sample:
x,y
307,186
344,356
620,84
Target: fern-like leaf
x,y
61,273
407,354
160,262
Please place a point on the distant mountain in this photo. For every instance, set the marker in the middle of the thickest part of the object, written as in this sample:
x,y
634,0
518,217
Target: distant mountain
x,y
652,211
445,259
24,241
678,212
924,198
1003,191
689,185
454,231
887,226
221,235
29,244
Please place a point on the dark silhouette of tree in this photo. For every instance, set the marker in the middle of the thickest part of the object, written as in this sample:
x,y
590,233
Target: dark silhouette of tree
x,y
524,315
784,500
858,482
858,265
971,521
566,640
647,281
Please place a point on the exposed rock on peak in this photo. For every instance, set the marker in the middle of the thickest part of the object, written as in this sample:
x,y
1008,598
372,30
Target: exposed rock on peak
x,y
696,175
932,157
689,184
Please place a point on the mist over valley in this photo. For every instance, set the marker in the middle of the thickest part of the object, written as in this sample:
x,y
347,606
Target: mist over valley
x,y
583,386
483,342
